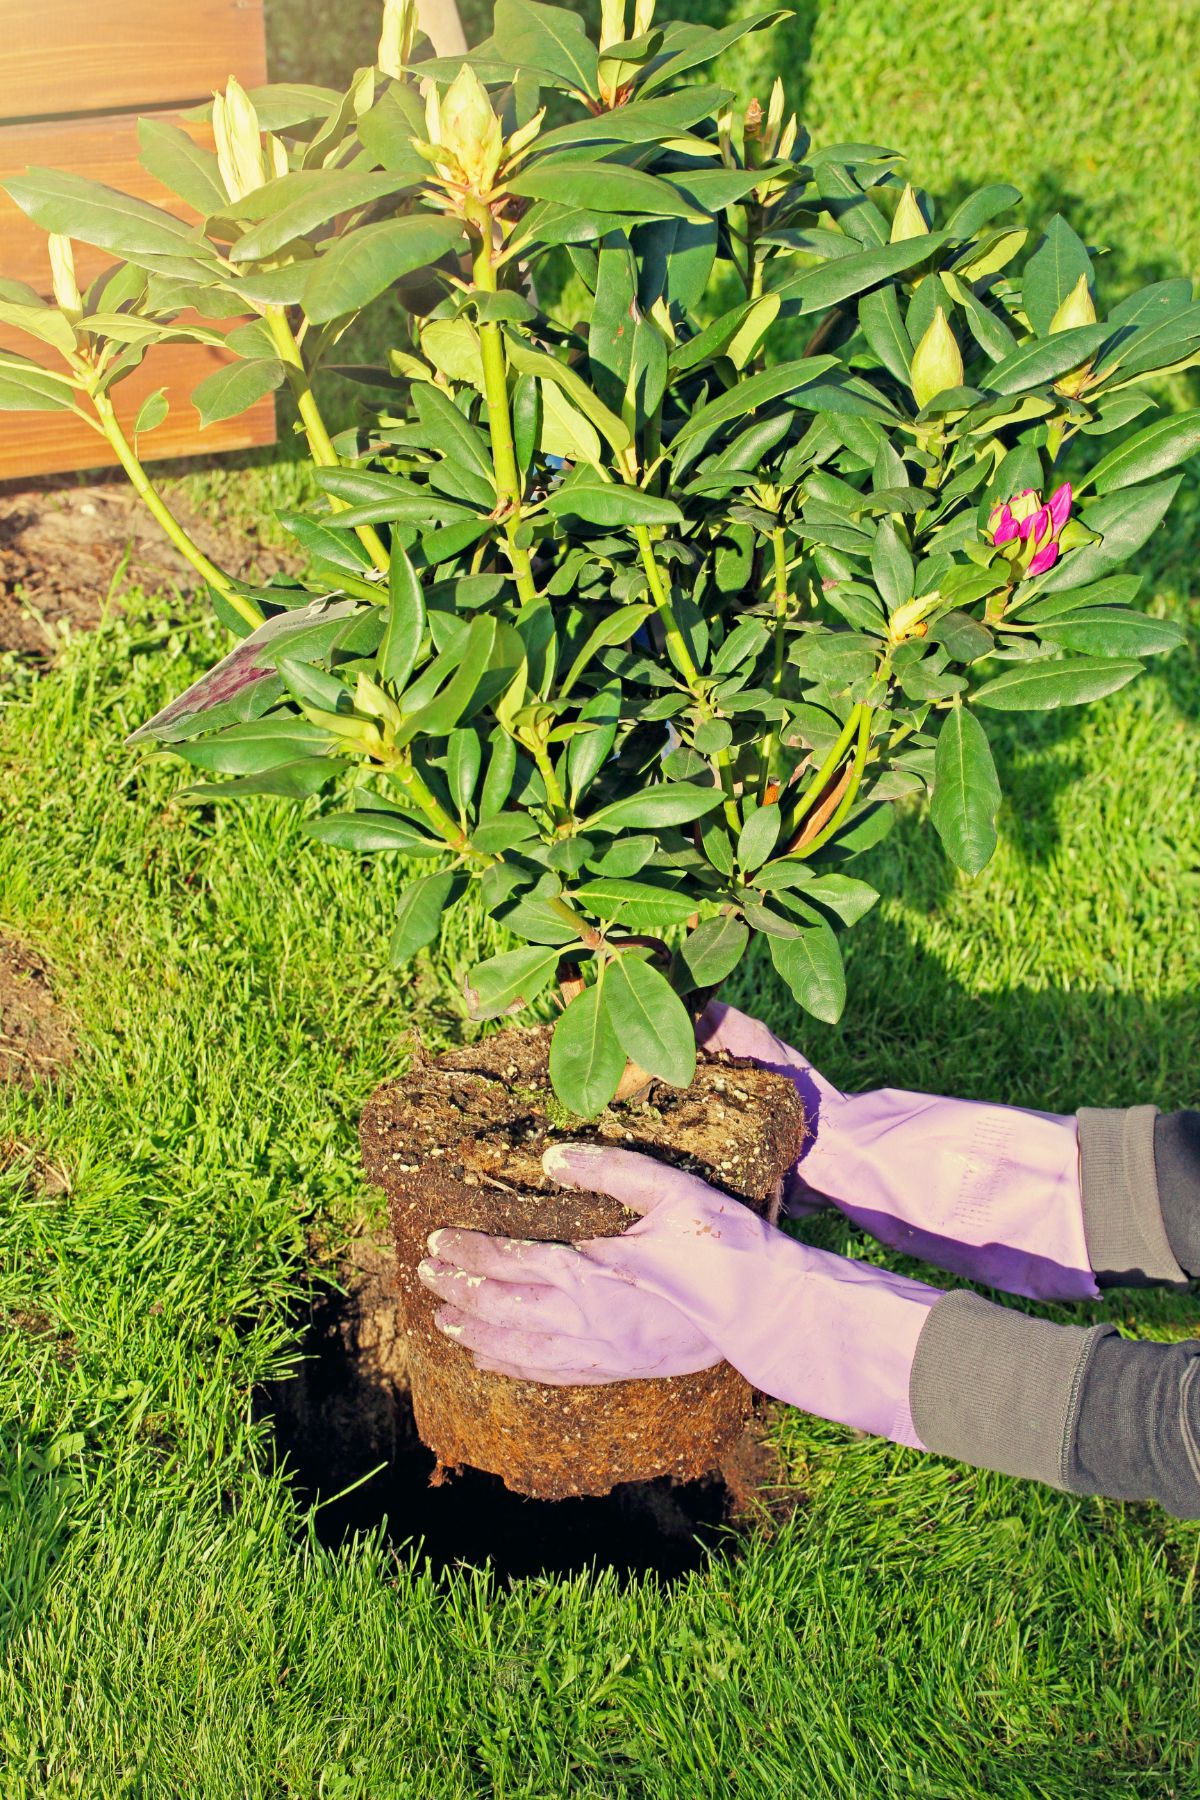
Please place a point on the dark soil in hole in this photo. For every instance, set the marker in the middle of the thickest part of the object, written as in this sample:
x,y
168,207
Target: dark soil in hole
x,y
62,543
35,1039
347,1411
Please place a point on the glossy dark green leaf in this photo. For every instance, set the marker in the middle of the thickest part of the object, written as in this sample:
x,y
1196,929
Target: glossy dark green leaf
x,y
363,264
1043,686
419,914
586,1058
639,905
758,837
892,565
672,803
549,42
640,121
293,205
1113,631
966,791
811,965
820,288
510,982
1125,521
464,760
1043,360
75,207
884,329
713,951
235,388
604,188
612,504
258,744
371,831
653,1026
182,165
25,387
980,208
1052,271
397,655
753,391
1151,452
689,46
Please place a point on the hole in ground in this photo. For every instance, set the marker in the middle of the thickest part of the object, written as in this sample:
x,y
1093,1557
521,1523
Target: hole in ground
x,y
346,1411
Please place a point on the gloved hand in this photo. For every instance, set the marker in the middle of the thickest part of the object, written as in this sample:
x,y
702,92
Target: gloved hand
x,y
988,1192
698,1278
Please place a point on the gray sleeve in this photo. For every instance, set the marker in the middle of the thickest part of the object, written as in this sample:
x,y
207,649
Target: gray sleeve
x,y
1123,1224
1079,1408
1177,1162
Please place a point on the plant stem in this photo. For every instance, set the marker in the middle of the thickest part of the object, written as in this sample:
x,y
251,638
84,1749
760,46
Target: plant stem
x,y
852,786
554,793
315,430
405,774
781,597
146,491
818,783
682,658
495,390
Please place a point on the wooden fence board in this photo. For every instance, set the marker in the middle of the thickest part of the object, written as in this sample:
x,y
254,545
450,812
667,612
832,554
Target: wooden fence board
x,y
93,56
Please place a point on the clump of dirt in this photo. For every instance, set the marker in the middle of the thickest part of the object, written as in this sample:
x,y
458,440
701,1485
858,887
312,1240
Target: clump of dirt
x,y
343,1426
36,1042
459,1142
61,545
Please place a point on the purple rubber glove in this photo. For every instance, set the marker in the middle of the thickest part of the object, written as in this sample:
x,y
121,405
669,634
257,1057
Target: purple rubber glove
x,y
988,1192
699,1278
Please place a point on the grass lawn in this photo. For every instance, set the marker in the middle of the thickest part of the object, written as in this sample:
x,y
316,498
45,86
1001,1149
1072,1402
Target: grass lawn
x,y
170,1623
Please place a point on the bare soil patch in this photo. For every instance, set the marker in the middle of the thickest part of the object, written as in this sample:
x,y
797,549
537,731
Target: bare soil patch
x,y
344,1421
36,1040
61,545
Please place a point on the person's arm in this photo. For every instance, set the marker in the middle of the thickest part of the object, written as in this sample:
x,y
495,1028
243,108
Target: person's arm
x,y
699,1277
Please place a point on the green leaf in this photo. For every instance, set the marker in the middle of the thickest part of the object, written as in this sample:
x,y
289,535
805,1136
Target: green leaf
x,y
753,391
387,129
151,412
811,964
1159,447
687,46
76,207
980,208
1114,631
638,904
397,655
884,329
419,915
758,838
615,629
510,982
604,187
185,167
293,205
826,286
586,1058
966,791
713,951
448,431
1043,686
445,710
640,121
1052,271
369,831
612,504
363,264
259,744
548,42
672,803
627,353
464,759
892,565
1125,521
548,368
235,388
1043,360
38,320
652,1024
24,387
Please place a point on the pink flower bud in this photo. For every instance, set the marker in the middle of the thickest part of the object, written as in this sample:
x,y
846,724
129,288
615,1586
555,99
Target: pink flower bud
x,y
1002,525
1060,505
1045,559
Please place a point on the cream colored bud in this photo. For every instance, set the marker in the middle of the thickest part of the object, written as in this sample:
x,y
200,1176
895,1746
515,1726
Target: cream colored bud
x,y
725,123
470,130
521,140
396,37
277,156
909,220
643,17
239,144
787,142
774,119
612,23
1076,310
937,362
62,270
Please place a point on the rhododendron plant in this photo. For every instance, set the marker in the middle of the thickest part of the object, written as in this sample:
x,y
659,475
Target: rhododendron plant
x,y
632,617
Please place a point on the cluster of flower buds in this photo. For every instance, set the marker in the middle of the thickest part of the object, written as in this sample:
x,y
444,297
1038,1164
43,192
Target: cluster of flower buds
x,y
396,38
246,158
466,142
1028,531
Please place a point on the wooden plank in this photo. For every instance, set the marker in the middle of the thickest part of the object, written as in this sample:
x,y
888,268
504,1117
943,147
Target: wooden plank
x,y
106,150
46,443
77,56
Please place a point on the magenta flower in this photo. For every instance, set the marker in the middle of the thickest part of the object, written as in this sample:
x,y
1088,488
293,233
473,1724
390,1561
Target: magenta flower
x,y
1027,529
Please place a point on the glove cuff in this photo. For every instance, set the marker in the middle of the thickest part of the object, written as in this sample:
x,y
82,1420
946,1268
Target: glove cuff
x,y
1000,1390
1122,1216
